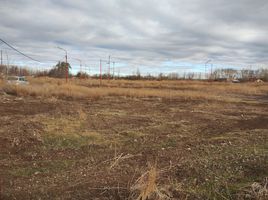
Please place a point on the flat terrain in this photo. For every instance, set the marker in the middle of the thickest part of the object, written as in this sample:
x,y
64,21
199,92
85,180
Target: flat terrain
x,y
208,146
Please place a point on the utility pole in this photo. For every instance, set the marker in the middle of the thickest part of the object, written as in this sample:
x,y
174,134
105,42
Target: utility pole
x,y
7,64
1,57
211,65
66,62
113,69
67,68
100,72
109,62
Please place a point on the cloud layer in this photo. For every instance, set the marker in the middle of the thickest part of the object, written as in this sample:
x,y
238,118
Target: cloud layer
x,y
138,33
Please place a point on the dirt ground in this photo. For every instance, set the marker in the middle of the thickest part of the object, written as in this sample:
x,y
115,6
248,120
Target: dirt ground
x,y
98,149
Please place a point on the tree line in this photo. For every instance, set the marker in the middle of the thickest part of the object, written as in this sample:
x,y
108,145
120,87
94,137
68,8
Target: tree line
x,y
59,71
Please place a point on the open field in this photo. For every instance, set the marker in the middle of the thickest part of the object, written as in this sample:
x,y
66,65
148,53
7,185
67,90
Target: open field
x,y
131,139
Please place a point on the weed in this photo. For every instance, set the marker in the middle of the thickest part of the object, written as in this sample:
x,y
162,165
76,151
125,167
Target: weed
x,y
147,186
256,190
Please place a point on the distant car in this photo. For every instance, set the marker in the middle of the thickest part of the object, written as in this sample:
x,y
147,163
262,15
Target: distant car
x,y
235,81
17,80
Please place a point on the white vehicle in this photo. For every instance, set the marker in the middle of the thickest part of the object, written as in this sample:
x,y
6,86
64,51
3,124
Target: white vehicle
x,y
235,81
17,80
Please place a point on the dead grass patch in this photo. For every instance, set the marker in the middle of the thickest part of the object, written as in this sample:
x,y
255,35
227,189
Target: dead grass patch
x,y
146,184
89,89
242,88
71,91
257,190
68,132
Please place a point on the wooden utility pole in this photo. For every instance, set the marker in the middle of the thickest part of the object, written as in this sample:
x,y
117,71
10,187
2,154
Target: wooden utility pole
x,y
67,67
100,72
1,57
7,64
109,68
113,69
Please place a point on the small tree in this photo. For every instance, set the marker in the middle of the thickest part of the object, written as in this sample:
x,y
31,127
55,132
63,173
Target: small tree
x,y
59,71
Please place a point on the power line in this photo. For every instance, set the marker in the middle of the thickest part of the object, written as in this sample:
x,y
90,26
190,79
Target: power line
x,y
19,51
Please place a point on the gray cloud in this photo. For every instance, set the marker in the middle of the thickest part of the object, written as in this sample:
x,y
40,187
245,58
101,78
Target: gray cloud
x,y
147,32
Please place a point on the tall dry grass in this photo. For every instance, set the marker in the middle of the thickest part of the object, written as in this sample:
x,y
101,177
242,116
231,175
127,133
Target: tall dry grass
x,y
82,89
66,91
245,88
146,185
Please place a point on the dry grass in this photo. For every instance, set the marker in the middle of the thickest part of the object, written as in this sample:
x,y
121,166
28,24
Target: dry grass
x,y
146,185
245,88
81,92
258,191
203,149
51,90
86,89
61,132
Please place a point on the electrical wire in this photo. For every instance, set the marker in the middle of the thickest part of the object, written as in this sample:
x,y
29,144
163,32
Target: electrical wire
x,y
18,51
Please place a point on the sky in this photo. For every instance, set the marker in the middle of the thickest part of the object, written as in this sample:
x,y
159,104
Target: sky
x,y
150,35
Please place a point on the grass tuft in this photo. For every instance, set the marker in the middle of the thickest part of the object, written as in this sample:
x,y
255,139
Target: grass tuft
x,y
147,186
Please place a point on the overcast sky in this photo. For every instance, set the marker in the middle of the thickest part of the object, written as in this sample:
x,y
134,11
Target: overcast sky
x,y
154,35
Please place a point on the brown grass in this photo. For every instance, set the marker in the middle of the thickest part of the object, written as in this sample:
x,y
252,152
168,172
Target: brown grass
x,y
83,89
205,149
245,88
257,191
81,92
146,185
